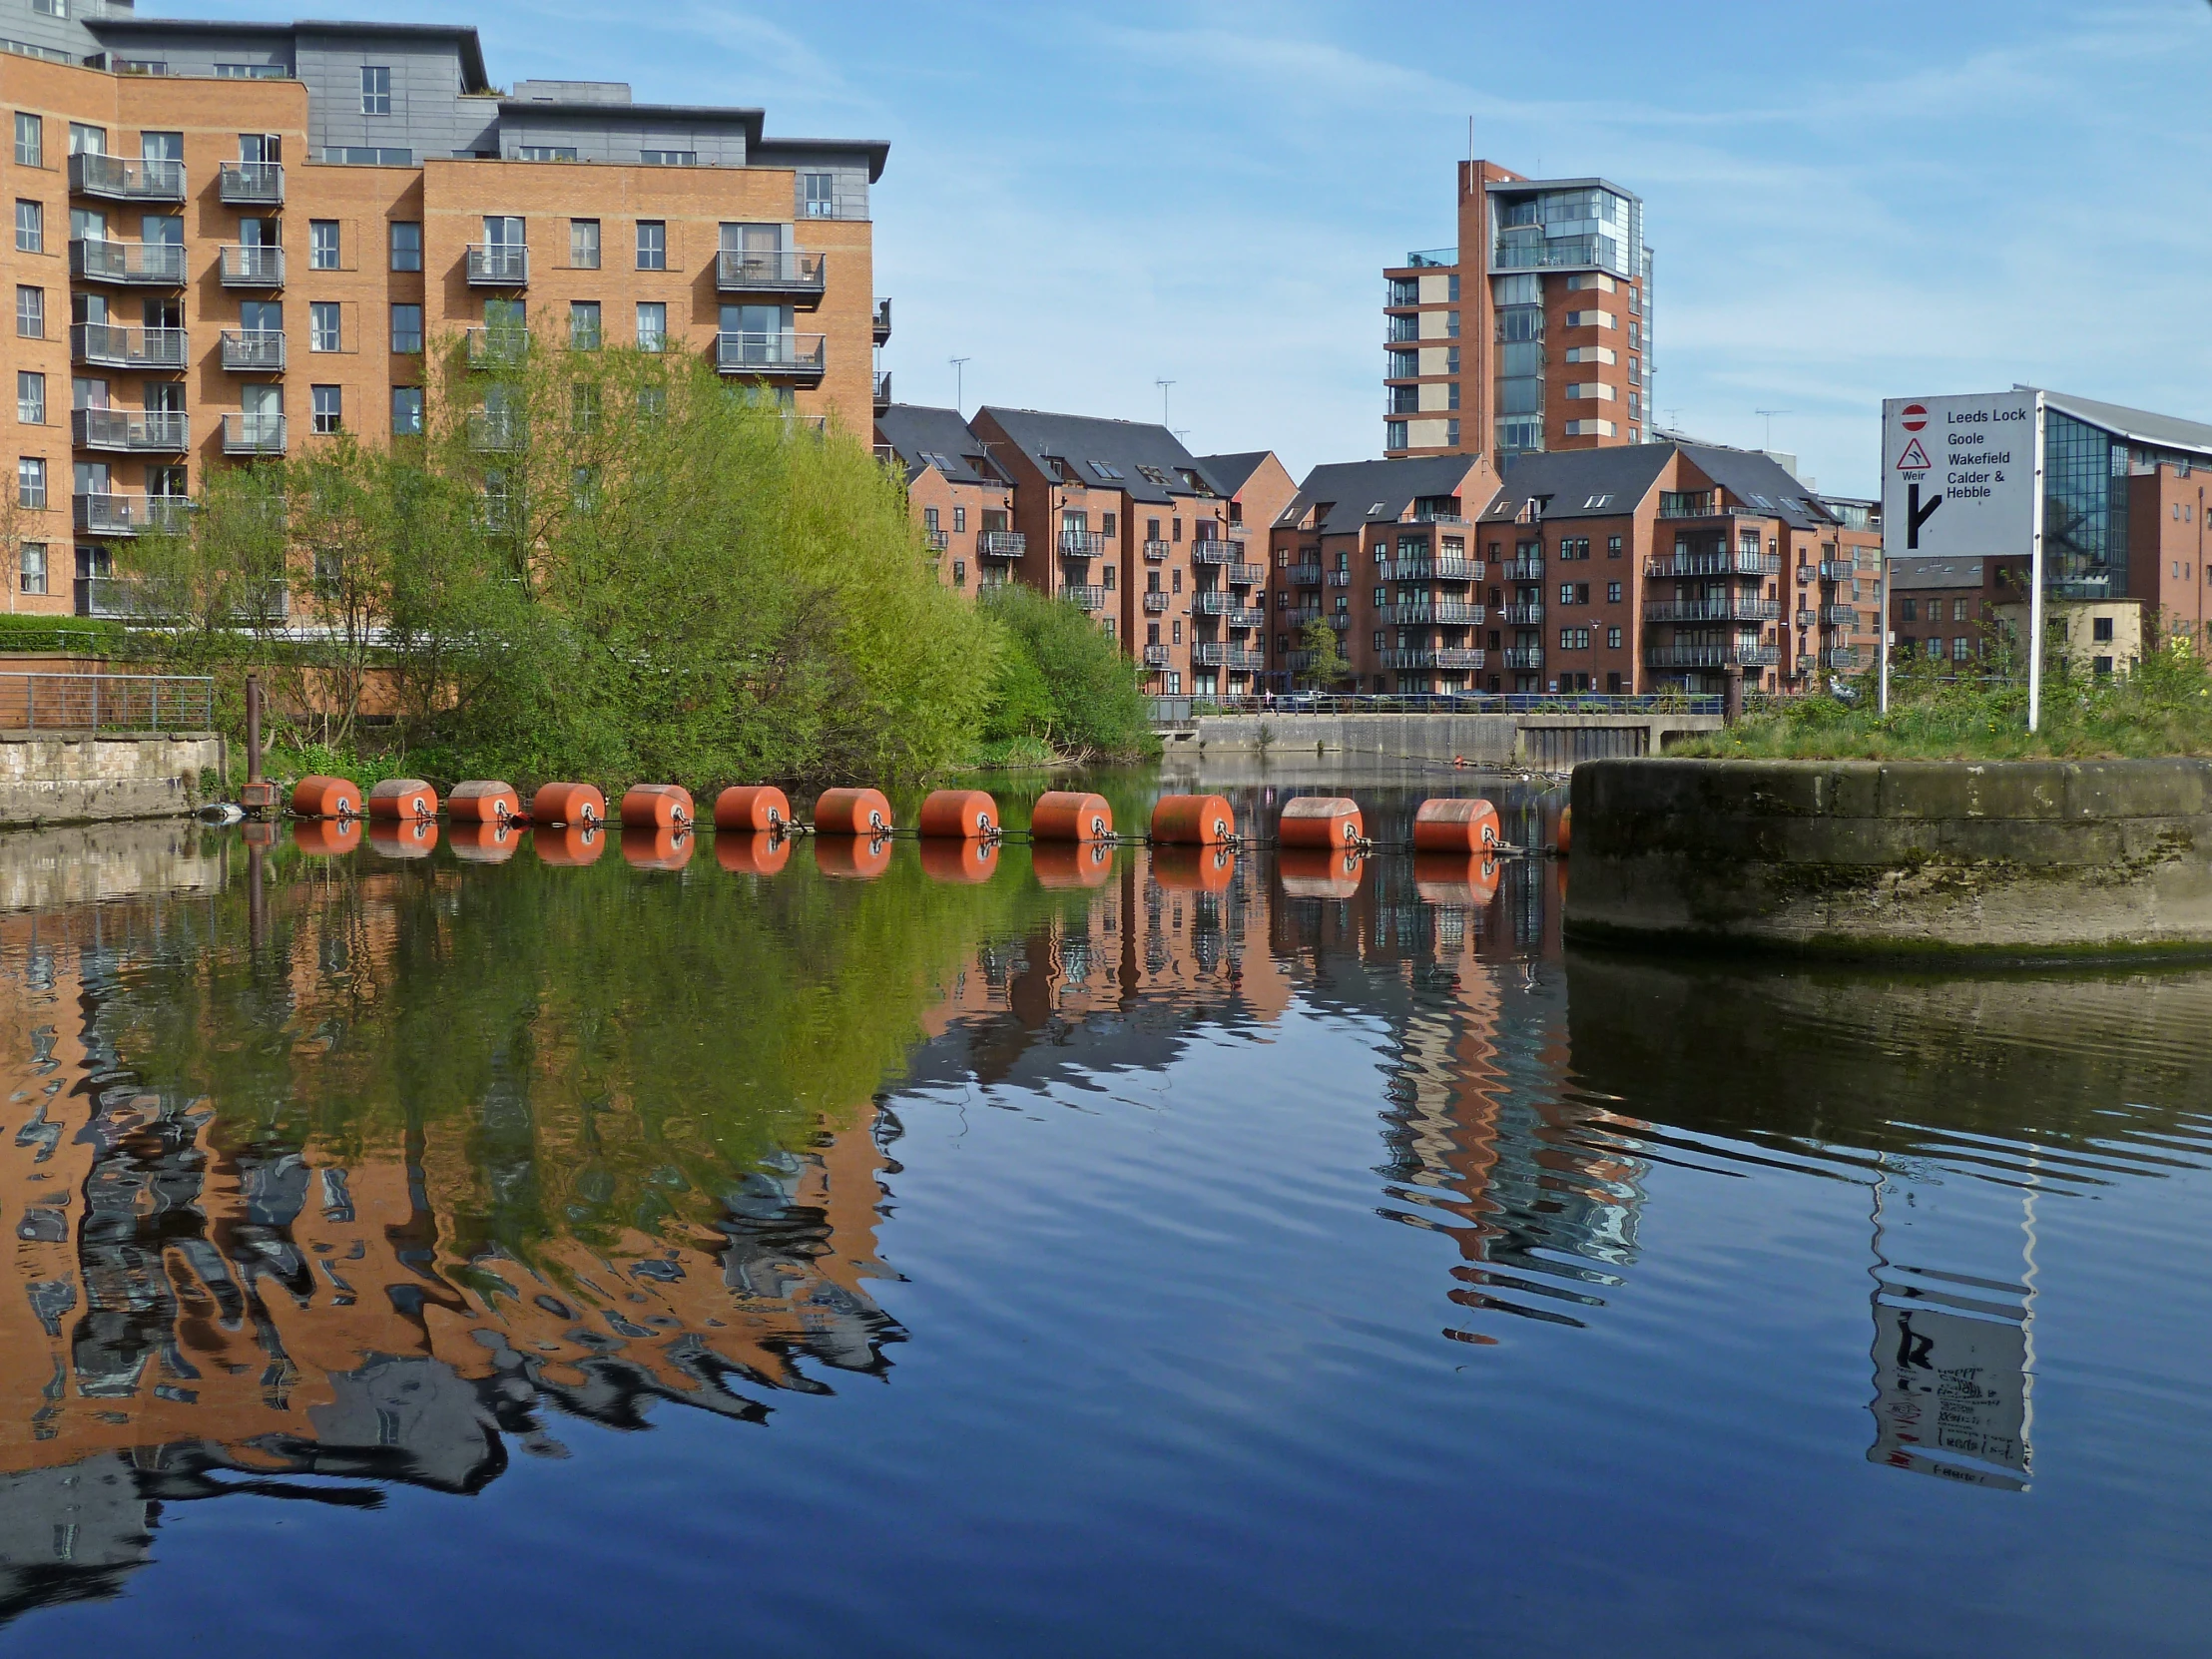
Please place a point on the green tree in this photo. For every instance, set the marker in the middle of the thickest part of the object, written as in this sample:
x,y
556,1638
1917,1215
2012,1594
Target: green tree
x,y
1062,679
1325,658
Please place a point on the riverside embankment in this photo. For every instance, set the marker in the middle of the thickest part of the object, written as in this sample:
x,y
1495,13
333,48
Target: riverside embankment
x,y
2027,859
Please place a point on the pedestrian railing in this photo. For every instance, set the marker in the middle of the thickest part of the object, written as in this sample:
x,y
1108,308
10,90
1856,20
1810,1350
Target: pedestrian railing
x,y
1175,711
107,703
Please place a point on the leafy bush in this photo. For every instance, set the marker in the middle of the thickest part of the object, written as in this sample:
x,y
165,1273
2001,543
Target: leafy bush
x,y
1061,679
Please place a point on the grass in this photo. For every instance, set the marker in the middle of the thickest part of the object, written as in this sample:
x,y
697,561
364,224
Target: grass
x,y
2164,707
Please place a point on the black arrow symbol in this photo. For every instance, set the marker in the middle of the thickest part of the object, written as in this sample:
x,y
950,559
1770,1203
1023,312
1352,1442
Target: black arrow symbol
x,y
1917,515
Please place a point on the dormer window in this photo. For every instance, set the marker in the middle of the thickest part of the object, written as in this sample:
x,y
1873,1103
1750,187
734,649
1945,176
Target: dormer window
x,y
1104,470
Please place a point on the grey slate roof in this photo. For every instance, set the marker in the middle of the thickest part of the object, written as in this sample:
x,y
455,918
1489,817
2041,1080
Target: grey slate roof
x,y
1229,472
1919,570
917,432
1377,492
2139,425
1581,482
1124,445
1757,480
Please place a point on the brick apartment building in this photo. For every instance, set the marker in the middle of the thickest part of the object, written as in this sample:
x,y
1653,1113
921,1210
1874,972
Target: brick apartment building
x,y
963,502
1257,487
1533,333
231,238
1637,569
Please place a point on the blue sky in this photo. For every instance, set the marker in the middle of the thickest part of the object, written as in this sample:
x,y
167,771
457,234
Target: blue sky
x,y
1847,200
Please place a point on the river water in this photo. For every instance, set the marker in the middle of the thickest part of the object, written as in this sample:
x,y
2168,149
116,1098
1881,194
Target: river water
x,y
507,1248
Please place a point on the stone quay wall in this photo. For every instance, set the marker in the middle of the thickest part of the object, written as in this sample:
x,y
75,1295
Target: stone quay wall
x,y
1541,742
80,778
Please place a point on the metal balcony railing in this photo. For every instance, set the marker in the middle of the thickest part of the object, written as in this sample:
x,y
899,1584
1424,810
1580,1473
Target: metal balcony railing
x,y
105,702
1247,618
1155,552
1341,621
1155,601
775,355
117,345
1525,656
1156,656
257,266
1714,610
1308,576
119,178
1217,551
1236,658
1806,619
502,343
1442,567
498,266
134,263
1521,570
1081,544
882,391
253,350
883,327
495,430
1714,563
1843,656
253,184
938,540
253,434
162,432
1340,578
1710,656
1526,613
1246,576
1443,656
784,272
1838,570
1002,544
129,515
1455,613
1088,596
1840,616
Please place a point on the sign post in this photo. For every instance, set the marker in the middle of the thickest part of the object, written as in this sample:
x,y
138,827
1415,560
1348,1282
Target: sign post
x,y
1957,482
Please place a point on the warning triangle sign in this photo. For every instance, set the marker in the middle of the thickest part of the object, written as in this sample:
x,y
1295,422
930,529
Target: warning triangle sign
x,y
1915,458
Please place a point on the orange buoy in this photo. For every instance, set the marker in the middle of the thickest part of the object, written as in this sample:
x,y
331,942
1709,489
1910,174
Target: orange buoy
x,y
968,859
1319,871
568,803
1193,819
483,800
1070,815
655,807
483,842
853,858
1189,868
1567,829
402,797
317,796
1319,820
569,844
1060,863
759,853
407,837
323,836
1458,824
751,807
656,847
1467,879
853,813
958,814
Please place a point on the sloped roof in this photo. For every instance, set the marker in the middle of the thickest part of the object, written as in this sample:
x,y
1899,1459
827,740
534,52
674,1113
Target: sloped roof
x,y
1581,482
1925,570
1377,492
1231,472
2140,426
920,433
1126,447
1757,480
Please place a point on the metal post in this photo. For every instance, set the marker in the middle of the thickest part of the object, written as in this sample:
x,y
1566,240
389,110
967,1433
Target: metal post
x,y
252,727
2036,586
96,702
1882,635
30,702
157,703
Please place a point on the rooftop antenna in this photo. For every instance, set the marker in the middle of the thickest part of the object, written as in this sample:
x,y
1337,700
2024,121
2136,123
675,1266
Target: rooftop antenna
x,y
960,379
1163,386
1769,414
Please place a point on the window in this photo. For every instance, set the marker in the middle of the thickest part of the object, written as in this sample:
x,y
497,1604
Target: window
x,y
30,313
252,72
30,140
1959,649
652,244
365,154
1613,643
30,228
1612,593
1958,607
583,324
1574,639
668,158
406,330
929,519
30,482
582,244
818,196
1912,610
30,397
406,412
1612,547
87,141
1178,632
34,567
323,326
583,407
323,245
1106,523
2100,629
545,152
959,522
406,245
651,325
329,409
375,89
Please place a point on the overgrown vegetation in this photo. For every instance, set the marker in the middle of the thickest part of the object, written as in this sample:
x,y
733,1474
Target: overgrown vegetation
x,y
1325,658
2163,707
610,564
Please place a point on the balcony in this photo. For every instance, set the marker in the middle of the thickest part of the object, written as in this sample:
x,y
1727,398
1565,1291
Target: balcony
x,y
1716,563
1247,618
772,356
1236,658
1739,655
1156,656
1300,619
1448,613
253,184
1305,576
1217,552
1521,570
1806,619
495,431
498,266
1084,596
1843,656
882,391
1838,570
253,350
1340,578
1435,657
252,267
1438,567
1840,616
161,433
253,434
1080,544
1341,621
1155,601
114,345
1731,609
782,274
1247,576
938,540
882,328
1212,602
119,178
129,515
1525,656
156,264
1002,544
1424,517
1525,613
488,347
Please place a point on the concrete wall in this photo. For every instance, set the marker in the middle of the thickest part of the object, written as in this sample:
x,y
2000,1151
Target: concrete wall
x,y
1544,743
45,779
2022,859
